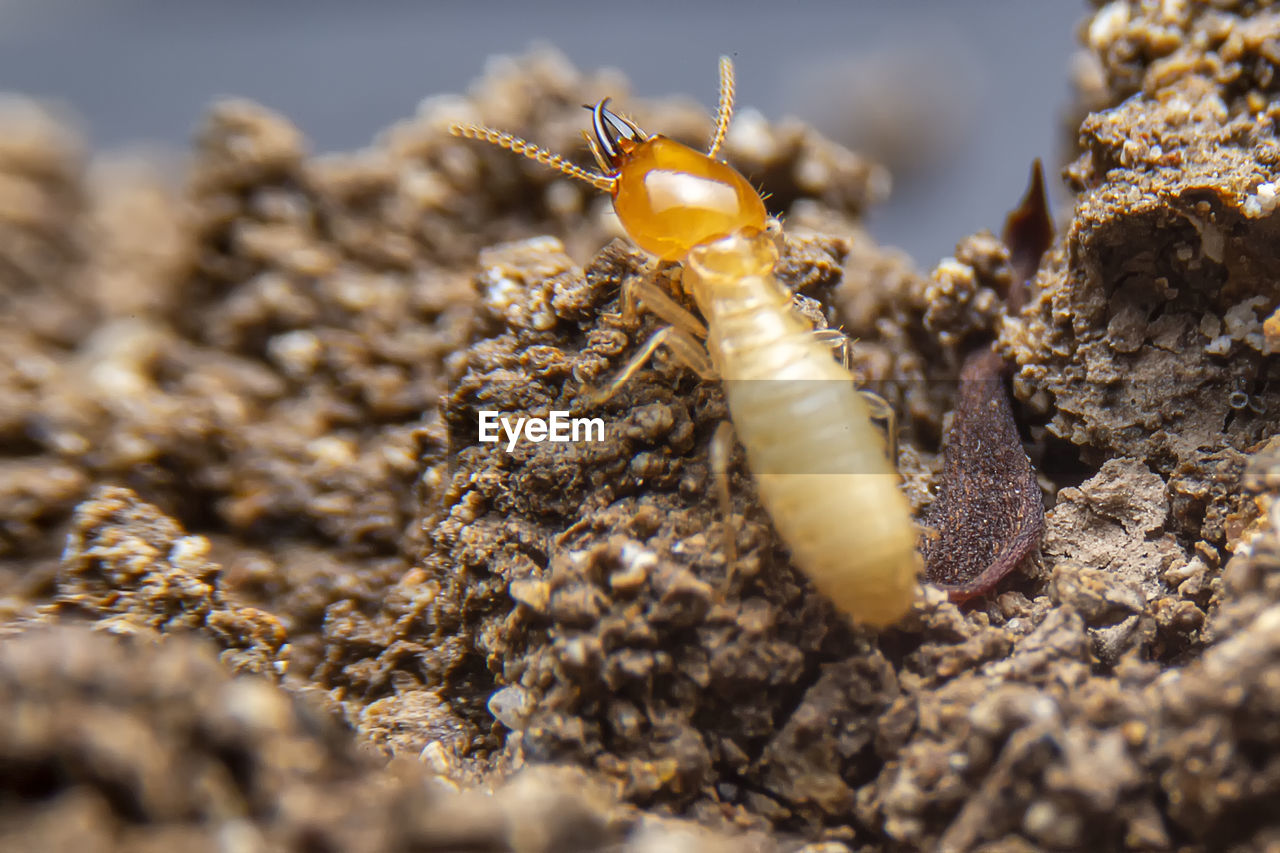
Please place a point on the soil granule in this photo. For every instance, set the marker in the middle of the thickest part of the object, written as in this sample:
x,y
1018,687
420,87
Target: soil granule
x,y
263,588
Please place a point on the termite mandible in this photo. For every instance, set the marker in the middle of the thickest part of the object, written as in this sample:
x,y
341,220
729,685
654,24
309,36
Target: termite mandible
x,y
820,465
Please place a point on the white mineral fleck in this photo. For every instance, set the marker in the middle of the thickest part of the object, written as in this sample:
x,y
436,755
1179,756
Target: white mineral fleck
x,y
511,706
1108,24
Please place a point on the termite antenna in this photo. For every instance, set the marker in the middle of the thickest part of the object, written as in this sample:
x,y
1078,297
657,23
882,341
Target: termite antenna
x,y
724,111
515,144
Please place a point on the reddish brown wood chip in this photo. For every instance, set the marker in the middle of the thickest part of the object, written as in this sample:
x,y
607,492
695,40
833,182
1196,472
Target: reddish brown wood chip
x,y
989,514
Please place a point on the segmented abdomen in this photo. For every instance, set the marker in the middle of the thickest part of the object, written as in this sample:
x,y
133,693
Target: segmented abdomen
x,y
819,462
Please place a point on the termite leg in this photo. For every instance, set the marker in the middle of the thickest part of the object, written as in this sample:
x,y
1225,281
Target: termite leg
x,y
719,455
686,349
837,340
630,310
637,290
682,336
882,411
880,408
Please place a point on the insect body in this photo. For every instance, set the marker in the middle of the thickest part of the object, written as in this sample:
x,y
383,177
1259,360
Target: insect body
x,y
819,463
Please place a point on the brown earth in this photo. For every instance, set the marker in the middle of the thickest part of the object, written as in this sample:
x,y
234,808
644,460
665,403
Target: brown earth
x,y
238,442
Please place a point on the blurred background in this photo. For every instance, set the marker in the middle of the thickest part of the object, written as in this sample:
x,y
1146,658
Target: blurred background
x,y
955,97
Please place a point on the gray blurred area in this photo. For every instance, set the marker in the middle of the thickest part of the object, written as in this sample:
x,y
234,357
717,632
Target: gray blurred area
x,y
957,96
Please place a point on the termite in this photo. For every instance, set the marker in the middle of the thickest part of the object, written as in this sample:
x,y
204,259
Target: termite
x,y
820,465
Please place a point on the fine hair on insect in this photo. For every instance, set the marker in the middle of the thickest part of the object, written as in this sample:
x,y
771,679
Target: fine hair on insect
x,y
820,465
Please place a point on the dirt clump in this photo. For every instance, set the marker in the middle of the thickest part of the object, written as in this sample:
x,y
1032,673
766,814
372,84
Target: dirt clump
x,y
243,452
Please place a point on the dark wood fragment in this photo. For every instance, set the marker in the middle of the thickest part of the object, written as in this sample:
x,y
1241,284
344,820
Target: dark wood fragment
x,y
989,515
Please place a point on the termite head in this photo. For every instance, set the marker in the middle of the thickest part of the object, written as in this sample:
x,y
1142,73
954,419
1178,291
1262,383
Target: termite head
x,y
668,197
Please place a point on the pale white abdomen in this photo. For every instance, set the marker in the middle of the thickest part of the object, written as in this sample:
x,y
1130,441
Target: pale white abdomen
x,y
819,462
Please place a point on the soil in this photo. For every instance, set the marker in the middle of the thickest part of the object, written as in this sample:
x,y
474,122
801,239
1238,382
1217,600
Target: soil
x,y
263,588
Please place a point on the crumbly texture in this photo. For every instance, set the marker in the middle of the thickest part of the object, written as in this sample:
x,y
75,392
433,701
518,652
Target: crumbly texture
x,y
262,586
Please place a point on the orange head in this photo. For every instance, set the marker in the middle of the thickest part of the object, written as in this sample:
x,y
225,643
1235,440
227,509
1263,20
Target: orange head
x,y
668,196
